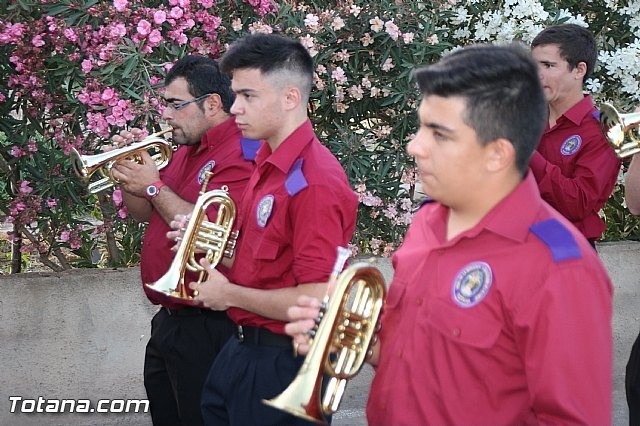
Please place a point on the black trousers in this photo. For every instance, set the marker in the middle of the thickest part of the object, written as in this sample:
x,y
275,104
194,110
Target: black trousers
x,y
632,384
179,354
242,376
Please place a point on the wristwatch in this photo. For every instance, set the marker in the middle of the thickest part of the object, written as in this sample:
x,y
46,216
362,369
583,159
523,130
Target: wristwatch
x,y
153,190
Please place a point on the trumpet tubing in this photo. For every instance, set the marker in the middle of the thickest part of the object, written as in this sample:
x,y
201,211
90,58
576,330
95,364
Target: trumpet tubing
x,y
85,166
621,130
214,238
341,344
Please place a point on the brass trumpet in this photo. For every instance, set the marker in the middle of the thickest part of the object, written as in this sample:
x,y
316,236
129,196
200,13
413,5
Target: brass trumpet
x,y
341,344
85,166
215,238
619,127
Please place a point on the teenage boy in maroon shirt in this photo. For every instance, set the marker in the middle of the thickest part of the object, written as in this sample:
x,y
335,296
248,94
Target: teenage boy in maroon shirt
x,y
499,309
574,165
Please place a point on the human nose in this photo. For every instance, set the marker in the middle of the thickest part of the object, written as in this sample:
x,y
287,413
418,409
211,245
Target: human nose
x,y
235,108
417,146
167,113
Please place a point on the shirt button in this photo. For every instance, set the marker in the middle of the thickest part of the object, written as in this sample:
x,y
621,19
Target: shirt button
x,y
419,301
455,332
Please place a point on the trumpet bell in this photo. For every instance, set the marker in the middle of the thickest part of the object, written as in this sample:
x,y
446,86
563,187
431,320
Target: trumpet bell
x,y
621,130
341,344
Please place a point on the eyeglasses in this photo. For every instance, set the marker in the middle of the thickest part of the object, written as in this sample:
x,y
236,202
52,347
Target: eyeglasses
x,y
181,105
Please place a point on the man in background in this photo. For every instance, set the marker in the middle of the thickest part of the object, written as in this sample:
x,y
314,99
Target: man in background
x,y
184,339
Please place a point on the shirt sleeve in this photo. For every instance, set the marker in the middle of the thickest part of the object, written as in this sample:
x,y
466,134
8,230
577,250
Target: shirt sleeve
x,y
324,219
563,330
586,189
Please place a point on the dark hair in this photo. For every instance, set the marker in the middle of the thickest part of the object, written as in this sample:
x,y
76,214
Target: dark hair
x,y
203,76
576,44
504,98
272,54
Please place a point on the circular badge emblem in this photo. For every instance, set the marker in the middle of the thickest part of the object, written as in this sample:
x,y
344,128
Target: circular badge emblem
x,y
264,210
571,145
472,283
206,168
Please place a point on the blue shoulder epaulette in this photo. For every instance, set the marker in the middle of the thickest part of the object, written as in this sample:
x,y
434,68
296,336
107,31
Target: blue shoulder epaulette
x,y
250,148
295,180
427,200
596,115
558,238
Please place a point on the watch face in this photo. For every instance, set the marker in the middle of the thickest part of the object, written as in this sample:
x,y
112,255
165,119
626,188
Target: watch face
x,y
152,190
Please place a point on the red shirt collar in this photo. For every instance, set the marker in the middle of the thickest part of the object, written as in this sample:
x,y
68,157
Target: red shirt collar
x,y
289,150
511,217
577,112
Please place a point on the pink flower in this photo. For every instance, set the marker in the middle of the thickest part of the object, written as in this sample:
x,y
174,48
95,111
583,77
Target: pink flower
x,y
16,151
52,202
159,17
120,5
117,197
206,3
86,66
37,41
338,75
144,27
155,37
176,13
64,236
108,94
2,98
70,34
25,188
123,212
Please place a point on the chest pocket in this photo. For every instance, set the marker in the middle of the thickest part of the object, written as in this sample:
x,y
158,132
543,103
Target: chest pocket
x,y
474,327
262,248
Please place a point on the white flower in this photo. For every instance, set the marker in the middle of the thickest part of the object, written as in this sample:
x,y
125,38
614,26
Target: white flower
x,y
392,29
388,65
407,38
236,24
337,23
311,21
376,24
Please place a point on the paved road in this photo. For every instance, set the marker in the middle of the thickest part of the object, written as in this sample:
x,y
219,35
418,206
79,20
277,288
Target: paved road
x,y
81,334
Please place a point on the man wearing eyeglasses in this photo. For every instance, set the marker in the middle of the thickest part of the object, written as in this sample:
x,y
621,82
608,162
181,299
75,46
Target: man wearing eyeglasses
x,y
184,339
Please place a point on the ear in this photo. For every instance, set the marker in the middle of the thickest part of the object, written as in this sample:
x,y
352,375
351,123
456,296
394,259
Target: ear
x,y
292,97
500,154
212,105
580,70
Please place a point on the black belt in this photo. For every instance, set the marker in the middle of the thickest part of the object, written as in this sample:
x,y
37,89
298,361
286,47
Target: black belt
x,y
262,337
189,311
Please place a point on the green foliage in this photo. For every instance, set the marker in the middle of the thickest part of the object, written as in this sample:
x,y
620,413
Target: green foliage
x,y
80,71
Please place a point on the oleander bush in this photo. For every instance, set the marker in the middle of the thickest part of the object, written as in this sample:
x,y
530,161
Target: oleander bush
x,y
76,72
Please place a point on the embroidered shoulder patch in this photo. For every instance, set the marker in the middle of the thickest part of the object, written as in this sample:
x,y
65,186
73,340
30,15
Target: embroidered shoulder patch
x,y
250,148
558,238
296,181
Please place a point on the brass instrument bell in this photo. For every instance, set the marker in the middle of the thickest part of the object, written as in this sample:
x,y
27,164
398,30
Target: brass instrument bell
x,y
621,130
341,344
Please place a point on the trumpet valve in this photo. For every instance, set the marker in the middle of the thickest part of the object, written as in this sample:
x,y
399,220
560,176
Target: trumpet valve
x,y
230,247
